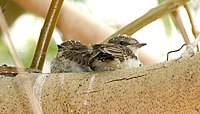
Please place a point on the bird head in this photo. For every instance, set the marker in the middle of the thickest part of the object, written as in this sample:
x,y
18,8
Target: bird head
x,y
127,41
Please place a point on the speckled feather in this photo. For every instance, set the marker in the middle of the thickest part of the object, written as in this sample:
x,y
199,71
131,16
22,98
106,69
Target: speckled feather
x,y
111,57
119,52
123,40
72,56
106,52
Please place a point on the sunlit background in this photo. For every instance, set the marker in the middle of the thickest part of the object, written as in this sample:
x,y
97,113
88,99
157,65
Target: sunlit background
x,y
161,35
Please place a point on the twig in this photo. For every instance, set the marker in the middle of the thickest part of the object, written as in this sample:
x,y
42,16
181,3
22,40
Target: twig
x,y
46,33
180,25
190,47
194,31
8,41
4,4
174,51
155,13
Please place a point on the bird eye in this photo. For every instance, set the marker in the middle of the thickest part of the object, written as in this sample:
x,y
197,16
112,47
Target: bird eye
x,y
123,43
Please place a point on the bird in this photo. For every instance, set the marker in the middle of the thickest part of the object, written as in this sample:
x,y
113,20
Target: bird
x,y
117,53
72,56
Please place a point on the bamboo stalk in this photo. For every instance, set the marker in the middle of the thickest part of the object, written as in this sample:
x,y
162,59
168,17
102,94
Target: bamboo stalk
x,y
179,23
155,13
46,33
194,30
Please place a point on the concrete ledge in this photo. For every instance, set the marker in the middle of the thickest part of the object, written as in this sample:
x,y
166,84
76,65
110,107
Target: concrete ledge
x,y
169,87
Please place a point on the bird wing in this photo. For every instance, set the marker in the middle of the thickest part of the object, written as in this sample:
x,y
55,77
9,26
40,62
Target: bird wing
x,y
106,52
81,57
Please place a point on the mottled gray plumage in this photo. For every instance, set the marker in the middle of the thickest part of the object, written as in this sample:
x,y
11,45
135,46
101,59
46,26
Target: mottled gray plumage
x,y
72,56
119,52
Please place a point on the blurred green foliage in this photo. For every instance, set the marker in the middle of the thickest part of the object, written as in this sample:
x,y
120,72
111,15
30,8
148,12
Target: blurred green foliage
x,y
12,11
4,54
26,54
3,4
166,22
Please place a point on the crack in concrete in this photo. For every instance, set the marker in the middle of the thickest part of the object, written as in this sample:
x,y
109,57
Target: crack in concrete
x,y
122,79
94,91
157,68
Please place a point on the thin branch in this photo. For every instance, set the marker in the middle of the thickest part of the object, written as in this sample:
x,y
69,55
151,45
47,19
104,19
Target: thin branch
x,y
8,41
46,33
3,4
179,23
194,30
190,47
174,51
155,13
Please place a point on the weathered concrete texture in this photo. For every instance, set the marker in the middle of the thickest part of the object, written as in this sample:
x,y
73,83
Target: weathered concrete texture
x,y
170,87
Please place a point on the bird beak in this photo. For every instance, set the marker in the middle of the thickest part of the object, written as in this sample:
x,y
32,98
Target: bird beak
x,y
139,45
60,47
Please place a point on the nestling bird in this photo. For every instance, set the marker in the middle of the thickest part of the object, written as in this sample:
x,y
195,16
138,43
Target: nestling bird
x,y
72,56
119,52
